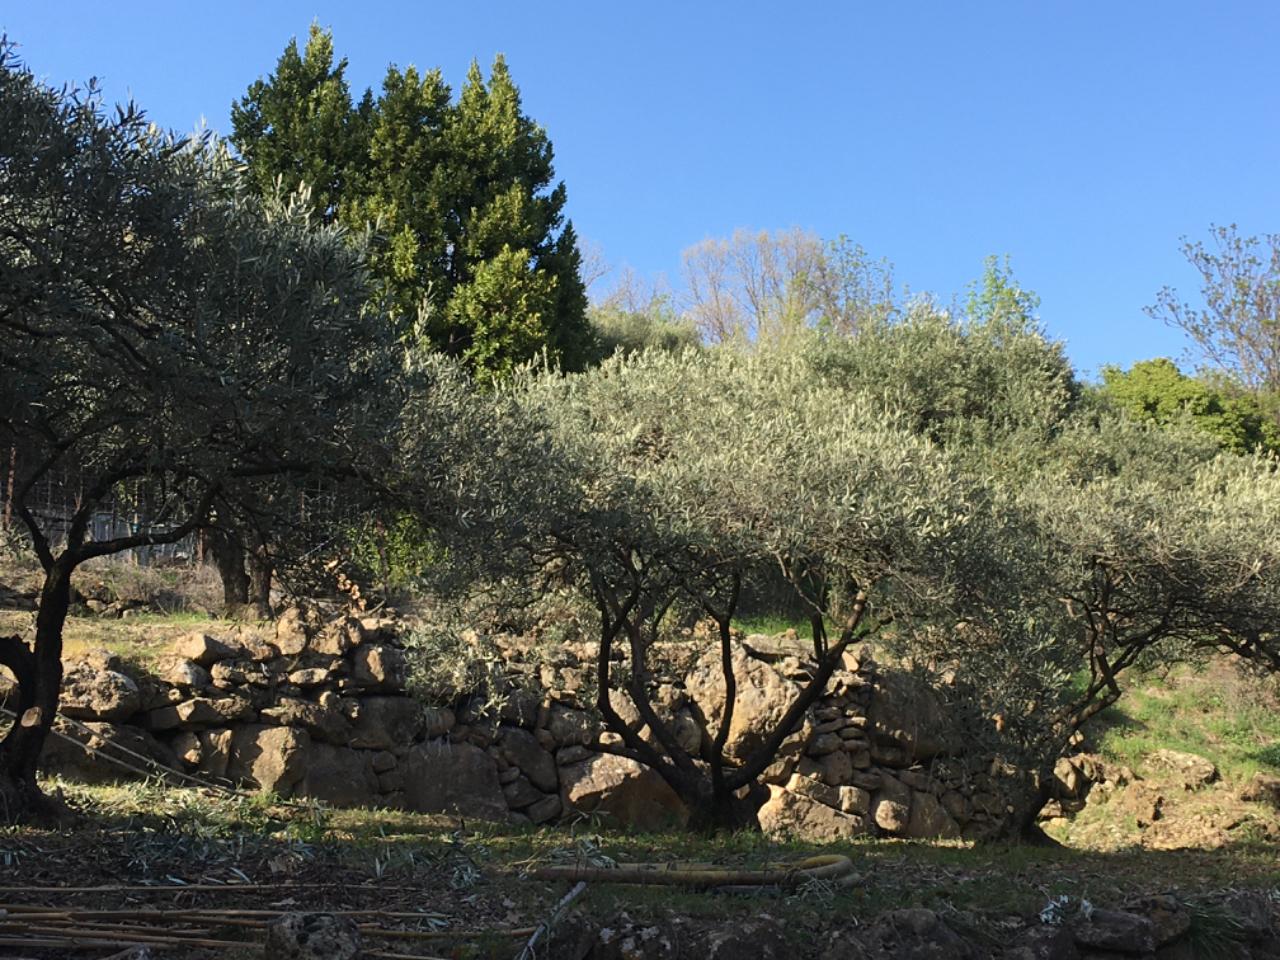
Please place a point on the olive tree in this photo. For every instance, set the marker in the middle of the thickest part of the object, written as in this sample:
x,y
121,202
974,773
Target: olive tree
x,y
160,328
1117,546
686,476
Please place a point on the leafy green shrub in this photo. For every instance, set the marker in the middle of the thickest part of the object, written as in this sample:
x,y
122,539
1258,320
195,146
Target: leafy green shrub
x,y
628,331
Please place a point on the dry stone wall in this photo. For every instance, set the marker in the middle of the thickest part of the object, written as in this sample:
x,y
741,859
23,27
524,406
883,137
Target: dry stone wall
x,y
320,710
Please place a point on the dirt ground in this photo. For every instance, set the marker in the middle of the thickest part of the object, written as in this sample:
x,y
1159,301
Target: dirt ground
x,y
193,866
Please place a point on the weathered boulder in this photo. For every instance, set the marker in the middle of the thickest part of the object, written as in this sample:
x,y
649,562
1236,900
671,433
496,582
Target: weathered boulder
x,y
787,814
1170,918
837,768
906,721
384,722
339,776
544,810
311,676
520,706
186,747
379,666
273,758
521,793
90,763
204,649
929,819
891,805
628,793
182,672
1115,930
202,712
521,749
323,723
312,936
1263,788
338,637
92,693
571,727
215,752
291,632
814,790
457,778
763,696
1191,769
253,647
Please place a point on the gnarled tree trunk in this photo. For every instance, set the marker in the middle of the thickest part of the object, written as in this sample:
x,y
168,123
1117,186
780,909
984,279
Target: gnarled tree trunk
x,y
228,556
261,570
39,676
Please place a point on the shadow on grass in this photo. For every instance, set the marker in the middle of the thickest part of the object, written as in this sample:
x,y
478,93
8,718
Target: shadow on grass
x,y
150,834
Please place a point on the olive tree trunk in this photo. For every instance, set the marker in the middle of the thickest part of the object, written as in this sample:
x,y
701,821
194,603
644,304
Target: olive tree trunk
x,y
228,556
39,676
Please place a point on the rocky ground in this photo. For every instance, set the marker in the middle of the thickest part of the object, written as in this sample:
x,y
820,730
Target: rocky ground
x,y
424,886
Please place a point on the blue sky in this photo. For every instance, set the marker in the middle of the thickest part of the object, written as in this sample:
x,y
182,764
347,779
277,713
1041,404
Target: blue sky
x,y
1084,139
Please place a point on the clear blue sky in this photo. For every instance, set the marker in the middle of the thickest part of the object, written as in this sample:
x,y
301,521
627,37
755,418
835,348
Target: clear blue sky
x,y
1082,138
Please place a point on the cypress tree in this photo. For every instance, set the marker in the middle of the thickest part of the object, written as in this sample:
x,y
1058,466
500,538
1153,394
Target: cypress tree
x,y
474,255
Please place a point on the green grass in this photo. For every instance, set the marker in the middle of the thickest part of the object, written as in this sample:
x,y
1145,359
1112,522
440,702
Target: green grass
x,y
1216,712
774,624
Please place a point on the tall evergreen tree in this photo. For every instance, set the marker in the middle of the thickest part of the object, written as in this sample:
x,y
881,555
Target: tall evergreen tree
x,y
475,256
299,125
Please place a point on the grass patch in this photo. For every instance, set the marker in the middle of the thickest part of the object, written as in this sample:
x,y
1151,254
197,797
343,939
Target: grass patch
x,y
1217,711
773,624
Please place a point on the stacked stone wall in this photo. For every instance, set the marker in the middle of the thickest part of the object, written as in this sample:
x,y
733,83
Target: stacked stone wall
x,y
321,710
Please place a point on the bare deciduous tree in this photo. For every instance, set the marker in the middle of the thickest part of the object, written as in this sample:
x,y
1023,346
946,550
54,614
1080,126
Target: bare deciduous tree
x,y
1237,328
765,286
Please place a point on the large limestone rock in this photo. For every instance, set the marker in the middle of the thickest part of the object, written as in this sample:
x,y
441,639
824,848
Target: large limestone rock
x,y
929,819
273,758
1263,788
891,805
457,778
90,764
99,695
291,632
571,727
521,749
214,752
338,637
183,672
906,722
204,649
322,722
1193,770
202,712
624,791
787,814
379,666
339,776
763,697
386,722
